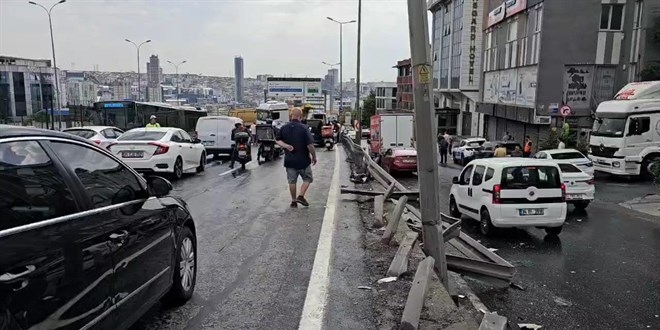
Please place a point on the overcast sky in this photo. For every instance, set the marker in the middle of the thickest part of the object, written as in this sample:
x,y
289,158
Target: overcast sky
x,y
278,37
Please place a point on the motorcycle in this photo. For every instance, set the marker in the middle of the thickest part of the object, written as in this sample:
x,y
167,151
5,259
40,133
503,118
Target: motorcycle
x,y
243,154
268,149
327,132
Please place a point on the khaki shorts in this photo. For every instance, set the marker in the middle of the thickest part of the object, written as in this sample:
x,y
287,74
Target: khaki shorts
x,y
293,173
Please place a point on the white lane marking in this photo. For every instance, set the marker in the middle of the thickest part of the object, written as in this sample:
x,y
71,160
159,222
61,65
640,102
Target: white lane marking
x,y
234,169
317,291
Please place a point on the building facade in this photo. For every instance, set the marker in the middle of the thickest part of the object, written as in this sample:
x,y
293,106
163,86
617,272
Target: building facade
x,y
538,58
457,43
238,78
404,87
26,87
385,96
154,72
81,92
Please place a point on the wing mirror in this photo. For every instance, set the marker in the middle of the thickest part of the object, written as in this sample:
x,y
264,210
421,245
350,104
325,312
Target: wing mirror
x,y
454,180
159,186
196,140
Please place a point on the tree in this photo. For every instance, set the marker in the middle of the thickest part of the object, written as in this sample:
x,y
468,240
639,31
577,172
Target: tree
x,y
368,110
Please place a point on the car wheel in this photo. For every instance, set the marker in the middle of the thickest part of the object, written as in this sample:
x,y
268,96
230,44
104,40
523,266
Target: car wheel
x,y
581,205
453,208
486,226
202,163
178,168
553,231
648,163
185,269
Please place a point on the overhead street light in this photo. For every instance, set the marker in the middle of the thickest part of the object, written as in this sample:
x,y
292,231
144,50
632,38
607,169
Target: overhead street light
x,y
341,75
137,47
176,67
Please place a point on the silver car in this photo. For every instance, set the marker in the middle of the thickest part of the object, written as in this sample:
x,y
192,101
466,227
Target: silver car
x,y
101,135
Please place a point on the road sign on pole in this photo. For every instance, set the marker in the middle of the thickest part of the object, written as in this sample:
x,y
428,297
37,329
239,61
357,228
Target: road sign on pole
x,y
565,110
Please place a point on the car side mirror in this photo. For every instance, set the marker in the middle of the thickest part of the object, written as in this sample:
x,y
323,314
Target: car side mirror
x,y
197,140
368,141
159,186
455,180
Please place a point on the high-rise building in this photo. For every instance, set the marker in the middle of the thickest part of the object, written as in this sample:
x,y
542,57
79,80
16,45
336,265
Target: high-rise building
x,y
238,76
404,91
331,79
154,72
27,86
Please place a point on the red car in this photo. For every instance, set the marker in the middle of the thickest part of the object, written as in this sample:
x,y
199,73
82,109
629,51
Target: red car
x,y
399,160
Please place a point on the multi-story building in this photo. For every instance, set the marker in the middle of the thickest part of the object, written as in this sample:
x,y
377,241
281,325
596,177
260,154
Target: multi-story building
x,y
26,87
154,72
331,79
238,76
456,44
81,92
385,96
404,87
155,94
538,57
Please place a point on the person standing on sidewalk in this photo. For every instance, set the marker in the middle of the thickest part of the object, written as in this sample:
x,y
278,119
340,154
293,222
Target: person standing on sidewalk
x,y
527,150
444,148
253,132
299,155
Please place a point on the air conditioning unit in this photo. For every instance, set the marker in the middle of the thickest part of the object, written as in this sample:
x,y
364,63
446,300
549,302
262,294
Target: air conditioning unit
x,y
542,120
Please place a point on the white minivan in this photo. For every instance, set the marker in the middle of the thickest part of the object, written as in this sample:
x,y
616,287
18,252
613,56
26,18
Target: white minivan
x,y
510,192
215,133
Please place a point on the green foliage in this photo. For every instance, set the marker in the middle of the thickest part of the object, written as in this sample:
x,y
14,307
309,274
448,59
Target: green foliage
x,y
652,72
39,117
368,110
551,141
655,171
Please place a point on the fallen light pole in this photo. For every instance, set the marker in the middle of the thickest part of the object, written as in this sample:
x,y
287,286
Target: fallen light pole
x,y
427,146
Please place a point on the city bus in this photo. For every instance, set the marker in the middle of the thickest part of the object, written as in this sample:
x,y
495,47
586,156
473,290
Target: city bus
x,y
130,114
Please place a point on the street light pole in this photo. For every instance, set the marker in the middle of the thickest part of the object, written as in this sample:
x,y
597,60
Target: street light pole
x,y
341,61
332,91
176,68
137,47
52,45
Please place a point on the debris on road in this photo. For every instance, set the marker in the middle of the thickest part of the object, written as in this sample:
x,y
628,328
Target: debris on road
x,y
492,249
516,286
387,279
562,302
364,287
529,326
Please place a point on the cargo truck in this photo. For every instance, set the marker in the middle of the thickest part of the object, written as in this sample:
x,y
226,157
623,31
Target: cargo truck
x,y
389,131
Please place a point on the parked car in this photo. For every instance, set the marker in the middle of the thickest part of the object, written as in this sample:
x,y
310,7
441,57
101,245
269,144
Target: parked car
x,y
580,188
161,150
510,192
215,133
87,243
465,151
401,159
572,155
487,149
103,136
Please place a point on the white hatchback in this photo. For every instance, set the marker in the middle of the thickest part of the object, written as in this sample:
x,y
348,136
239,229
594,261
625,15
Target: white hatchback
x,y
103,136
162,150
510,192
571,155
580,188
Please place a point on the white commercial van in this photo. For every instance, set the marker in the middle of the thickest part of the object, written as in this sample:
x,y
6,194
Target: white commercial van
x,y
625,139
215,133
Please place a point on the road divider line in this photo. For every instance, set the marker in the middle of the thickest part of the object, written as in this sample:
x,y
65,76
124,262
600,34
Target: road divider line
x,y
317,290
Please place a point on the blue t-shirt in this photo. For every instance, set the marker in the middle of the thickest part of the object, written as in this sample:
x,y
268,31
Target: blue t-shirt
x,y
297,135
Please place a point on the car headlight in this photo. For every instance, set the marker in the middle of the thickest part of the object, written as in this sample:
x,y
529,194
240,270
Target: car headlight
x,y
616,164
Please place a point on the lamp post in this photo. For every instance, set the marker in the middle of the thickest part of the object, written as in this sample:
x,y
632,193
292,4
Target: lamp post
x,y
137,47
52,45
332,91
341,65
176,68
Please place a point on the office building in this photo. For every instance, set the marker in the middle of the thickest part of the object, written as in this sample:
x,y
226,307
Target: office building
x,y
154,72
404,87
81,92
238,79
26,87
574,62
331,80
385,96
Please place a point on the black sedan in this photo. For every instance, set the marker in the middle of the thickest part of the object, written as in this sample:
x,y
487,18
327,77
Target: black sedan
x,y
86,241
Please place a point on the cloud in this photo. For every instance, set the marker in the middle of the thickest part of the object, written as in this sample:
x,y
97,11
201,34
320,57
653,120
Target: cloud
x,y
278,37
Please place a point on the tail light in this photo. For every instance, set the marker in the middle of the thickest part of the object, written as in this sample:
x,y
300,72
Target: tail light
x,y
497,191
97,141
591,181
563,192
161,148
242,146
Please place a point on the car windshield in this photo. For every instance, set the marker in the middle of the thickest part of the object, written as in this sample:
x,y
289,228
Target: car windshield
x,y
523,177
609,127
475,144
568,155
141,135
569,168
83,133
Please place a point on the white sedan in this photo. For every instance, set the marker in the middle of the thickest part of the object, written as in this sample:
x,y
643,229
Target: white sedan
x,y
103,136
571,155
580,189
161,150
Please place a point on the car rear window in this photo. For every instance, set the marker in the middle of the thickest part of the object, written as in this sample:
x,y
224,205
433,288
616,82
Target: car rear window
x,y
568,168
522,177
83,133
567,155
475,144
141,136
207,125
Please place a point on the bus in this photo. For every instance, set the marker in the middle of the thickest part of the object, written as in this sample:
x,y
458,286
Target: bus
x,y
131,114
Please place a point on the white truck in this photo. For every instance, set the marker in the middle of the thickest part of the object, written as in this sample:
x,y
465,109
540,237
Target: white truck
x,y
625,139
276,111
390,131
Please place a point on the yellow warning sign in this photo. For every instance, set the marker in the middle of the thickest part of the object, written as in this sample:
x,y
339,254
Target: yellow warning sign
x,y
424,74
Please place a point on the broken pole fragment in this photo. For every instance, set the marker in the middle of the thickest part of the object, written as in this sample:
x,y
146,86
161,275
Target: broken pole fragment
x,y
413,309
393,220
399,264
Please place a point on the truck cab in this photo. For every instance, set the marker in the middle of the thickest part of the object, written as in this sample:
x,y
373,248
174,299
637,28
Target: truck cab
x,y
276,111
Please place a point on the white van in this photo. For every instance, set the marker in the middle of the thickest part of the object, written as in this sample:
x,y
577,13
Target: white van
x,y
215,133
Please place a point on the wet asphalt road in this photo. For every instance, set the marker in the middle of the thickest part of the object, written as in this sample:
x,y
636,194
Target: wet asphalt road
x,y
255,254
603,272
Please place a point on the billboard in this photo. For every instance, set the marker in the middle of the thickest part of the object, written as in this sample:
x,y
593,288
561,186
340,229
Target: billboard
x,y
282,88
511,87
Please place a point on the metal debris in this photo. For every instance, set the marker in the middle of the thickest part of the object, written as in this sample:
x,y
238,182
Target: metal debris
x,y
529,326
387,279
364,287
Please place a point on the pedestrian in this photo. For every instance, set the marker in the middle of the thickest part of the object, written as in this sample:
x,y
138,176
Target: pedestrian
x,y
152,122
516,152
500,151
447,137
561,145
527,150
299,155
253,132
444,148
506,137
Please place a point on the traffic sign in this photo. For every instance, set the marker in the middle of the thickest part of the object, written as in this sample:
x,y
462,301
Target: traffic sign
x,y
565,110
424,74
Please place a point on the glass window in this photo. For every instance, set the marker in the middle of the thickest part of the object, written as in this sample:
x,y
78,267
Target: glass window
x,y
109,133
489,174
478,176
465,175
31,188
83,133
568,155
611,17
523,177
141,135
186,136
639,125
106,181
569,168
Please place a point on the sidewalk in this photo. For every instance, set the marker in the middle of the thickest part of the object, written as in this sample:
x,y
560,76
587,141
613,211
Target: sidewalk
x,y
649,204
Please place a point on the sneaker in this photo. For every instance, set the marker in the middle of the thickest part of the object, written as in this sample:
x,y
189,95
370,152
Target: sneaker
x,y
294,204
302,201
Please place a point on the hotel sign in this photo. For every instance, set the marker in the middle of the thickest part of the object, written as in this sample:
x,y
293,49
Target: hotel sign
x,y
473,41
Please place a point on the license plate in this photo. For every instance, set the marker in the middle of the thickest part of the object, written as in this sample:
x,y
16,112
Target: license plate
x,y
242,153
530,211
574,196
208,143
266,148
132,154
409,161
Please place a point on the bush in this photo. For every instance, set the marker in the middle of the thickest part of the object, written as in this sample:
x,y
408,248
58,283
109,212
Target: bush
x,y
656,172
551,141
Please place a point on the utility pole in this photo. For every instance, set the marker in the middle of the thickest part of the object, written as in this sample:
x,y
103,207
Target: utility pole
x,y
427,146
176,67
341,61
358,136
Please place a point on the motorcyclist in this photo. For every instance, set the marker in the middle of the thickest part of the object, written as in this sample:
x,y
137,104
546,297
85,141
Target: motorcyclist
x,y
238,127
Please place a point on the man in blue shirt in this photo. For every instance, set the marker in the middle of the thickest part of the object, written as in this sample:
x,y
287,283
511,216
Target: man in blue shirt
x,y
299,155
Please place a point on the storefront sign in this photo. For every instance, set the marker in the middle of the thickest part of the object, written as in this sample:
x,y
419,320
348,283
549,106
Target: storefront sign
x,y
514,6
578,81
496,15
473,41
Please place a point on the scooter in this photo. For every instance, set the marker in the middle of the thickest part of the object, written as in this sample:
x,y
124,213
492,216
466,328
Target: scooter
x,y
242,149
267,150
329,143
